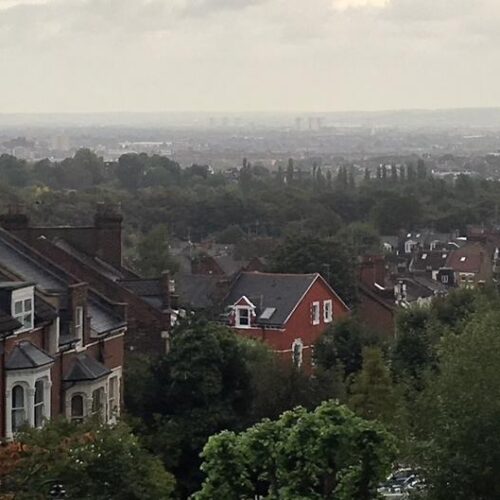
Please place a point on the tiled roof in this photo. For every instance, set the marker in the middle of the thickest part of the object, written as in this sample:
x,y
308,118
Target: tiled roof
x,y
103,319
197,291
143,287
26,355
468,259
85,368
429,260
267,290
13,255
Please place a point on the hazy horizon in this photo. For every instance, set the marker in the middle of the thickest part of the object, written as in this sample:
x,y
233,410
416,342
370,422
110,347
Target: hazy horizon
x,y
247,56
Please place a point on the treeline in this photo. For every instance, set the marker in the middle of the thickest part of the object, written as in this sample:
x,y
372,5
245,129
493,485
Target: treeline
x,y
294,198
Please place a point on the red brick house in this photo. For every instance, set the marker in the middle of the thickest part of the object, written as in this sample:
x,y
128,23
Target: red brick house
x,y
61,343
472,264
288,312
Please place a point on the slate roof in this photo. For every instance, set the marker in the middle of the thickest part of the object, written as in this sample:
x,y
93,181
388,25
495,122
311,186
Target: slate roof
x,y
102,319
26,355
268,290
14,258
8,323
85,368
429,260
43,311
197,291
148,289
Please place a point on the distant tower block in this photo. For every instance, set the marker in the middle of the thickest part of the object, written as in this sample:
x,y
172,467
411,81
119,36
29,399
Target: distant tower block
x,y
319,122
311,122
298,123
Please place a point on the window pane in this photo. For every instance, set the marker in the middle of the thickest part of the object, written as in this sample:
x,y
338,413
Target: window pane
x,y
39,414
18,307
77,407
28,305
39,391
18,419
27,321
18,397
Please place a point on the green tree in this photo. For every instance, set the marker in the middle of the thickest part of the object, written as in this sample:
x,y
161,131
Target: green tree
x,y
153,254
371,391
202,386
94,462
328,453
458,415
333,260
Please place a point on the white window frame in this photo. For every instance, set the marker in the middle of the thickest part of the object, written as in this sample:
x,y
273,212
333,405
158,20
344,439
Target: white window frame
x,y
444,278
237,319
316,313
22,297
28,379
328,311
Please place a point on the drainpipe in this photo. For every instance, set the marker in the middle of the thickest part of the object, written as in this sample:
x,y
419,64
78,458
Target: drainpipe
x,y
3,398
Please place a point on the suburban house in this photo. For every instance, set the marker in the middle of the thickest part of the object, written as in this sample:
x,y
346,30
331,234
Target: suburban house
x,y
61,343
288,312
93,254
472,265
381,294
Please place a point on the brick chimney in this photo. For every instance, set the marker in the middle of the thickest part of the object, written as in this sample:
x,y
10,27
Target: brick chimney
x,y
372,270
108,225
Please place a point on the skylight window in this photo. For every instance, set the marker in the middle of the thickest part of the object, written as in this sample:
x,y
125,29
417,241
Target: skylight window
x,y
268,312
424,256
463,259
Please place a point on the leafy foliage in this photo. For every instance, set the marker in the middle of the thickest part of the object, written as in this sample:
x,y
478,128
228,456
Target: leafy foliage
x,y
327,453
93,461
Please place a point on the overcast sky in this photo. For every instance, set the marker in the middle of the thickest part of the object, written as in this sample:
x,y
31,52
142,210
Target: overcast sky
x,y
248,55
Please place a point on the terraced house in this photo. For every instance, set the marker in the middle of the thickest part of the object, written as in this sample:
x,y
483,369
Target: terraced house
x,y
61,342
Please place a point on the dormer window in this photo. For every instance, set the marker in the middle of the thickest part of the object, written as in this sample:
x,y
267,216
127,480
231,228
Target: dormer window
x,y
23,308
243,317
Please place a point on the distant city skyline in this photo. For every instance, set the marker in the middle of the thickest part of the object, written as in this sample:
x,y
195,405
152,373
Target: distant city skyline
x,y
248,55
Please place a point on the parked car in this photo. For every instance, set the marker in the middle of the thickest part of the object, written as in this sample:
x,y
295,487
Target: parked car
x,y
400,483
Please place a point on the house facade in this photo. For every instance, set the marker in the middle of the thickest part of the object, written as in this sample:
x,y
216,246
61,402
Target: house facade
x,y
61,343
288,312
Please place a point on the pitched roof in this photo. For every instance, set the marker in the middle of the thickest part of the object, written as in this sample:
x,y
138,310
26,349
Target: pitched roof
x,y
150,290
197,291
85,368
429,260
102,318
267,290
468,259
26,355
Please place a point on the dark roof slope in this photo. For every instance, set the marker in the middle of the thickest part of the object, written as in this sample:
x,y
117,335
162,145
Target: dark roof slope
x,y
267,290
8,323
86,368
26,355
197,291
